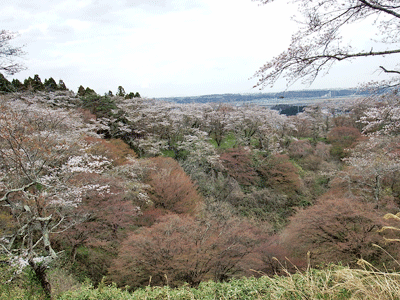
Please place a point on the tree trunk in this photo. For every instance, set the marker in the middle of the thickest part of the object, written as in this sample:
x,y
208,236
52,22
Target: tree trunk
x,y
41,273
377,190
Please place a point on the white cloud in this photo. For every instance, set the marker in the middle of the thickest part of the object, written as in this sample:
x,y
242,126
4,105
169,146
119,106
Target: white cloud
x,y
158,47
78,25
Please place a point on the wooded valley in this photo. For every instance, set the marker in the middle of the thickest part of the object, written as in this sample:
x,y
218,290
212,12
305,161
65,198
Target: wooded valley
x,y
142,192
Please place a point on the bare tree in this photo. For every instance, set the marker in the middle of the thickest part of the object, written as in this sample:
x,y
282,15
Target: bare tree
x,y
8,54
318,43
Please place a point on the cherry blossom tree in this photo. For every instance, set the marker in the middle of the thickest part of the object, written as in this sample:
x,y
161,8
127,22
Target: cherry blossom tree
x,y
216,122
151,126
318,119
259,126
318,44
372,161
203,164
382,115
41,151
8,54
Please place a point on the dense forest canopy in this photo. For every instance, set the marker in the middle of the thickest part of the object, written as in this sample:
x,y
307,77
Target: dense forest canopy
x,y
95,183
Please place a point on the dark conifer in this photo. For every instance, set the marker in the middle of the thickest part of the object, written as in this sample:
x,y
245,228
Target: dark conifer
x,y
37,84
18,86
61,85
5,85
50,84
81,91
121,91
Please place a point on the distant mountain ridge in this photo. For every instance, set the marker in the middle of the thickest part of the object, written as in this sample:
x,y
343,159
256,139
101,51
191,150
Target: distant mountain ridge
x,y
268,97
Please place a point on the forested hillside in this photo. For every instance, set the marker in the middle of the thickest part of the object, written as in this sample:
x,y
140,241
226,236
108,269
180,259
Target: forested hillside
x,y
116,196
142,192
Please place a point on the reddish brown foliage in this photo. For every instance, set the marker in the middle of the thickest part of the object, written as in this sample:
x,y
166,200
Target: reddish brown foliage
x,y
115,149
181,249
280,174
238,165
299,149
172,189
322,151
276,259
311,162
336,229
341,139
150,216
344,136
344,121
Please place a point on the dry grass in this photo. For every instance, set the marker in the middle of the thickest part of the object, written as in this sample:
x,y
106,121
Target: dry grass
x,y
331,283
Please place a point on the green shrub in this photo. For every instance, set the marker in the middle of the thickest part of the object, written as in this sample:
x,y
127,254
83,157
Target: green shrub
x,y
334,282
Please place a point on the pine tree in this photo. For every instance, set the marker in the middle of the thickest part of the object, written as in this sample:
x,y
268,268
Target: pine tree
x,y
129,96
37,84
18,86
121,91
89,91
81,91
50,84
5,85
61,85
28,83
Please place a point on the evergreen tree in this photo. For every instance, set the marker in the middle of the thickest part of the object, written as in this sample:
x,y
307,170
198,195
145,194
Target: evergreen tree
x,y
137,95
129,96
50,84
18,86
37,84
81,91
61,85
28,83
5,85
101,106
89,91
121,91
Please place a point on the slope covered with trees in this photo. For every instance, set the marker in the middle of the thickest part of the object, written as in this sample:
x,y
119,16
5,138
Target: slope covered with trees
x,y
146,193
191,192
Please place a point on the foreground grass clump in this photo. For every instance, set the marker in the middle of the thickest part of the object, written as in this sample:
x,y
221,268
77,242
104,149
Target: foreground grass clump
x,y
331,283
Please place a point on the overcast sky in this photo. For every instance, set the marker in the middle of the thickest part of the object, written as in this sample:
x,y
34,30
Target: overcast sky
x,y
162,48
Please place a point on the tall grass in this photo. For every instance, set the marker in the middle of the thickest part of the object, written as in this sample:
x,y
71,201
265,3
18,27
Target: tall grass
x,y
333,282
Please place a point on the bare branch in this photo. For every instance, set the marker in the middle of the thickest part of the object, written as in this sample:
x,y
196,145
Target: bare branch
x,y
9,53
21,189
389,71
318,44
377,6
